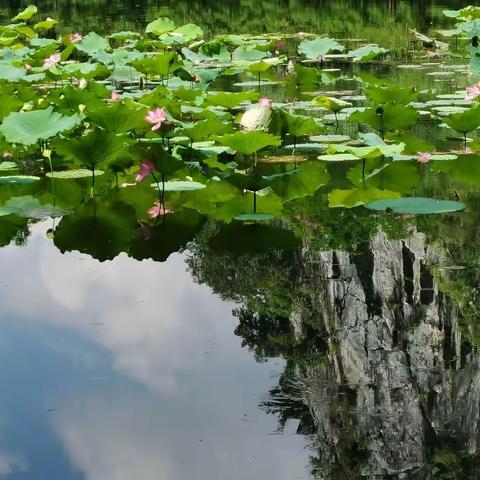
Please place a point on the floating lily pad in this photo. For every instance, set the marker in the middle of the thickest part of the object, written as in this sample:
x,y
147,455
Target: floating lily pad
x,y
6,166
29,207
339,157
71,174
411,67
254,217
417,206
283,159
307,148
330,138
358,196
18,179
180,186
28,128
254,83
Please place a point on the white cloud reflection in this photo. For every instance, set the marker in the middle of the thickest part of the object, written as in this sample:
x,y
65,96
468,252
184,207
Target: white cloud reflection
x,y
192,410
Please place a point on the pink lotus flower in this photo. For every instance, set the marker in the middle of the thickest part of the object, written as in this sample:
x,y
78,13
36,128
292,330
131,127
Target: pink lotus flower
x,y
156,117
473,91
27,67
115,97
52,60
158,210
423,157
146,168
75,37
265,102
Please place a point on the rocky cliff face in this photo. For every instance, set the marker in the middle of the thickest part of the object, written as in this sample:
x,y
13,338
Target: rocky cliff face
x,y
396,382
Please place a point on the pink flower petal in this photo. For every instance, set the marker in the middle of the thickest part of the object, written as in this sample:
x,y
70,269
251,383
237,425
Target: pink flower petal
x,y
146,168
423,157
156,117
265,102
75,37
158,210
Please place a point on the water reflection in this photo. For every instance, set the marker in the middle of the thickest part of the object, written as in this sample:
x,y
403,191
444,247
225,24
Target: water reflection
x,y
125,369
360,335
373,19
381,369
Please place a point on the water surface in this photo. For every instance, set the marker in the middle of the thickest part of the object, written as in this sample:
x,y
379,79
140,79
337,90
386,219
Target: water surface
x,y
337,344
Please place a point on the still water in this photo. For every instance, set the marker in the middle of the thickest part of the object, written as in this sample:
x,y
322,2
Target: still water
x,y
350,356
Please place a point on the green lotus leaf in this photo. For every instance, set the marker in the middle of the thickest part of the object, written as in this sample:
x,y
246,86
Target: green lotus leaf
x,y
30,207
94,148
388,117
310,177
102,230
338,157
11,73
27,128
26,14
464,122
92,43
215,193
301,125
86,70
6,166
119,117
189,32
160,26
319,47
18,179
366,53
332,104
160,240
74,174
231,100
377,148
390,94
401,177
252,182
247,143
417,205
253,217
45,24
263,65
240,204
124,35
330,138
204,129
247,54
163,64
358,196
179,186
465,170
164,162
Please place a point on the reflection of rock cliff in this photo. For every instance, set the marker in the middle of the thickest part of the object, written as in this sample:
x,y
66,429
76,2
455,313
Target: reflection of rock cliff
x,y
394,357
394,392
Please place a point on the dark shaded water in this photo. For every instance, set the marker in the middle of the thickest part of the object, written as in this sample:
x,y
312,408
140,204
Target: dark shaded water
x,y
351,356
369,19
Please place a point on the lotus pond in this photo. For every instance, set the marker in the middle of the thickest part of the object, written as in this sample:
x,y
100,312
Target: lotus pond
x,y
240,254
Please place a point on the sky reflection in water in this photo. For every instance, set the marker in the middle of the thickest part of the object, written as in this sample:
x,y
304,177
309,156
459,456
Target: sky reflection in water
x,y
127,369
